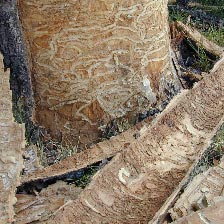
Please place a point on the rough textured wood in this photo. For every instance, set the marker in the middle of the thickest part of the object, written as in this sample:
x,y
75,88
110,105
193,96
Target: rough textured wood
x,y
135,184
200,192
93,61
14,53
12,141
30,208
162,213
96,153
213,214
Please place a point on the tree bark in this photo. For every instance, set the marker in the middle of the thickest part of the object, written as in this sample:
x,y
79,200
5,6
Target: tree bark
x,y
212,214
14,52
92,62
12,141
98,152
139,179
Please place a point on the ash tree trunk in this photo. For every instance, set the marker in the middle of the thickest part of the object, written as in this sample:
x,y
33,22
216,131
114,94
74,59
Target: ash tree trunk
x,y
93,61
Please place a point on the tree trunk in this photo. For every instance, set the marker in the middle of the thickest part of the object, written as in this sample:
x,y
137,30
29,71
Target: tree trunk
x,y
12,141
138,180
93,61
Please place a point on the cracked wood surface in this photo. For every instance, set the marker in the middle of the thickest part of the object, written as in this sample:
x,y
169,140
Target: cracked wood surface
x,y
214,214
93,61
200,193
12,141
135,184
212,179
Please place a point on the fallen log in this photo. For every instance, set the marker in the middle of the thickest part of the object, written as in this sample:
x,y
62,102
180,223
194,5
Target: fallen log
x,y
135,184
201,40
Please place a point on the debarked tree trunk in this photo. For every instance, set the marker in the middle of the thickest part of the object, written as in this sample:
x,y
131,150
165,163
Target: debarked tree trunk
x,y
93,61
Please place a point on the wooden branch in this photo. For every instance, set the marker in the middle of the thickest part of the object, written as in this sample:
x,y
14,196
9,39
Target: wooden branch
x,y
201,40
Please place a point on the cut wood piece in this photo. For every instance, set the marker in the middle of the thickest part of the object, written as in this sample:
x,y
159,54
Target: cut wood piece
x,y
135,184
98,152
200,192
30,208
201,40
12,141
214,214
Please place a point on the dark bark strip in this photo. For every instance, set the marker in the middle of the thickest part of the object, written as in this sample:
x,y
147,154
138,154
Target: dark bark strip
x,y
13,49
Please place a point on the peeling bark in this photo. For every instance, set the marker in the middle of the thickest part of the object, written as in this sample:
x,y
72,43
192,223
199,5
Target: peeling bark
x,y
212,214
14,52
30,208
12,141
135,184
96,61
96,153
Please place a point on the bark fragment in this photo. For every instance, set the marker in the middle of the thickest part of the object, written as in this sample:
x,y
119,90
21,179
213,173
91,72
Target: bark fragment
x,y
140,178
198,182
30,208
213,214
12,141
96,153
14,53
